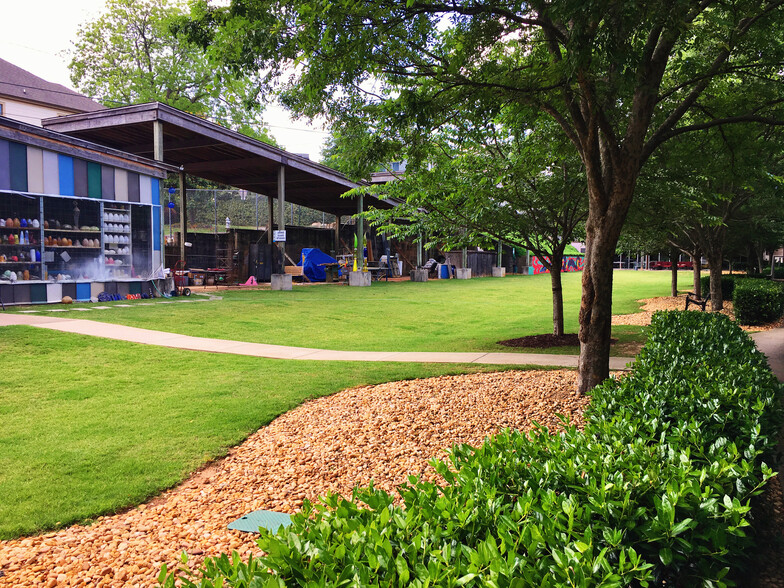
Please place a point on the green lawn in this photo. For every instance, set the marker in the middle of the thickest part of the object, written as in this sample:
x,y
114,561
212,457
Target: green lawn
x,y
90,426
440,315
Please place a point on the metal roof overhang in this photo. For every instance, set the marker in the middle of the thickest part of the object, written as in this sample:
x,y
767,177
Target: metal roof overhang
x,y
210,151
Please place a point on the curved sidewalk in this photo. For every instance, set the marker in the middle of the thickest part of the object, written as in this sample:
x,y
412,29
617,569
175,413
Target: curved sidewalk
x,y
163,339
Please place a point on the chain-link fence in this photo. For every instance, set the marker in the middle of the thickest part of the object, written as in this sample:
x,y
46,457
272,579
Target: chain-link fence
x,y
216,210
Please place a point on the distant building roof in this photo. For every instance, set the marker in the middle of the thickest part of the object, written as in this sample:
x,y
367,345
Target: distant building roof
x,y
16,82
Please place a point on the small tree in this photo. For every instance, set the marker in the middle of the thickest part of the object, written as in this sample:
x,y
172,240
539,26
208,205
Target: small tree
x,y
476,185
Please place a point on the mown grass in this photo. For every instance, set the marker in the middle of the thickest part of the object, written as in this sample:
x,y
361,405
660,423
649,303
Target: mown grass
x,y
440,315
90,426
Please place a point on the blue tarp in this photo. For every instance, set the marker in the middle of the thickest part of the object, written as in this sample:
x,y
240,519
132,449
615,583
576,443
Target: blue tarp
x,y
312,259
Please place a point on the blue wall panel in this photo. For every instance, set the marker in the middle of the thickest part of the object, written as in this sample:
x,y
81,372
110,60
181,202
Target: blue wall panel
x,y
5,166
156,191
156,228
65,166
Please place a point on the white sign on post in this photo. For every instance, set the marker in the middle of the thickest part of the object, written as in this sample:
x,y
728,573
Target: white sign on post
x,y
279,236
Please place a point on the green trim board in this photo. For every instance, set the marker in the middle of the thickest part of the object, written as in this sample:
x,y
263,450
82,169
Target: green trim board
x,y
253,521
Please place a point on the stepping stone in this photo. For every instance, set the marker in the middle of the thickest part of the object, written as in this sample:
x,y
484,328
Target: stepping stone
x,y
101,307
28,311
82,309
268,519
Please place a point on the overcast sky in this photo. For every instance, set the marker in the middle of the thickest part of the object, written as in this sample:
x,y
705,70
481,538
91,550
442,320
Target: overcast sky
x,y
34,34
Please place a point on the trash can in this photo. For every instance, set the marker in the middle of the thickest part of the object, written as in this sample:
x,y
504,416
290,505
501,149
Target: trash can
x,y
443,271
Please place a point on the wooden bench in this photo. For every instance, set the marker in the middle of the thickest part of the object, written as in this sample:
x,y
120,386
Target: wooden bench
x,y
295,271
692,298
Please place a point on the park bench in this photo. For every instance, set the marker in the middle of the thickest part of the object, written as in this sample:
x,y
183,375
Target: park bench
x,y
692,298
295,271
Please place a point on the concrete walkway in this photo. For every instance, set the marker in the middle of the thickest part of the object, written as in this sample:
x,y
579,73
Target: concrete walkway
x,y
771,343
163,339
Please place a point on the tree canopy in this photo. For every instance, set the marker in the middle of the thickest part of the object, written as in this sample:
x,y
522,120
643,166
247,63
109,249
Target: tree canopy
x,y
130,55
618,78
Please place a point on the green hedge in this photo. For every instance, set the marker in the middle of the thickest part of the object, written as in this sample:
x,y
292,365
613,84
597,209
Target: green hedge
x,y
758,301
727,286
655,491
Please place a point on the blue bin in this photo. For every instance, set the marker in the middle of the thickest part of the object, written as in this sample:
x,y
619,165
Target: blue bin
x,y
443,271
83,292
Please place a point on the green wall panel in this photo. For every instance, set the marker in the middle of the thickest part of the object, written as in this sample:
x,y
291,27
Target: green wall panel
x,y
17,155
94,179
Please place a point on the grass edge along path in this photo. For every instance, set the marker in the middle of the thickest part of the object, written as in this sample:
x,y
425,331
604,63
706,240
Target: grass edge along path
x,y
440,315
94,426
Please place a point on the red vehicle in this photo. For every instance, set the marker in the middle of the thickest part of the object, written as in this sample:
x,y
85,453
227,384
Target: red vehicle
x,y
660,265
663,265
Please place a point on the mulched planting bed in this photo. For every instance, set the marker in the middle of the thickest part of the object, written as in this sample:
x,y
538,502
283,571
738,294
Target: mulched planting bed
x,y
546,341
382,433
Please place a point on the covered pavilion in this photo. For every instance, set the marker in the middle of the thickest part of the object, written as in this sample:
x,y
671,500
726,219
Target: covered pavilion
x,y
208,150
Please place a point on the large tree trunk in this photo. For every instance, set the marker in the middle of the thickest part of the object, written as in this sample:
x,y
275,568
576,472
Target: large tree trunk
x,y
697,273
714,261
555,281
674,254
602,231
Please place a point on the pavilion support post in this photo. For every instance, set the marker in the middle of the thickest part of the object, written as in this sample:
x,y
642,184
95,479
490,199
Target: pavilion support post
x,y
360,226
464,273
157,140
419,250
282,209
337,233
270,215
183,214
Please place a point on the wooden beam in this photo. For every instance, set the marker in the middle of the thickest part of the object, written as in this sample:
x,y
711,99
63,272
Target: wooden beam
x,y
178,145
231,164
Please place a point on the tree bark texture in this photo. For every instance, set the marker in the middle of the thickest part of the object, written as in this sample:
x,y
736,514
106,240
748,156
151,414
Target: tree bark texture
x,y
714,261
555,281
602,232
697,274
673,272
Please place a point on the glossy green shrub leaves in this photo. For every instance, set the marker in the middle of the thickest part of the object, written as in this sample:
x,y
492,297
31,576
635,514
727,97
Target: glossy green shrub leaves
x,y
727,286
655,491
758,301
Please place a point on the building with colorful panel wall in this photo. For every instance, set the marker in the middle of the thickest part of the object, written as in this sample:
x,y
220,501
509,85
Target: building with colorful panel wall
x,y
76,218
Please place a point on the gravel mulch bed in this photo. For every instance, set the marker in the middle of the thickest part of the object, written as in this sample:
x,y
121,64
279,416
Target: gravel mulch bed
x,y
651,305
383,433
